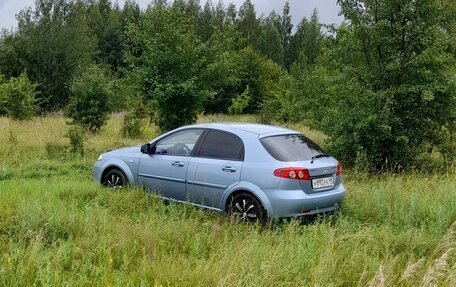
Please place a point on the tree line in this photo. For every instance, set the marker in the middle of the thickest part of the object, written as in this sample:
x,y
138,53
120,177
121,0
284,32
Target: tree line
x,y
381,85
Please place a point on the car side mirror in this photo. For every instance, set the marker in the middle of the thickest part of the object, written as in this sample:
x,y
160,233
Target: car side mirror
x,y
148,148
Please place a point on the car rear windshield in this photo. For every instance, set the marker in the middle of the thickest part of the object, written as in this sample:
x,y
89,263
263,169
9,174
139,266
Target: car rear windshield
x,y
292,147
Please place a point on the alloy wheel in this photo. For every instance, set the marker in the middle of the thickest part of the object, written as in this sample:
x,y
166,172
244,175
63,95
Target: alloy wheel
x,y
246,208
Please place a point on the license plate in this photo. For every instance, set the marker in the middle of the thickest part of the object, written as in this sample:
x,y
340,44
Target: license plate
x,y
323,182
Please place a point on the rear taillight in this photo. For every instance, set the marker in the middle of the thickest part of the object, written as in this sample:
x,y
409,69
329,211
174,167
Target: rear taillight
x,y
293,173
339,169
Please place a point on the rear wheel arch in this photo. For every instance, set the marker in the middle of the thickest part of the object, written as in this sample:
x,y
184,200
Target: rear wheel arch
x,y
229,197
245,186
246,206
239,191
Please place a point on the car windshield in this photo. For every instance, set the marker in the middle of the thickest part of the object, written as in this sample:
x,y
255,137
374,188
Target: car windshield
x,y
291,147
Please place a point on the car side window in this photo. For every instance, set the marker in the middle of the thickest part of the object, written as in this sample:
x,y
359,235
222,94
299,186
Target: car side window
x,y
222,145
180,143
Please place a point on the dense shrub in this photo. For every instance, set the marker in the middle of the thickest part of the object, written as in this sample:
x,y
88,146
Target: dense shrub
x,y
230,78
240,102
89,104
283,103
55,150
135,120
3,100
17,97
169,65
76,135
388,105
51,42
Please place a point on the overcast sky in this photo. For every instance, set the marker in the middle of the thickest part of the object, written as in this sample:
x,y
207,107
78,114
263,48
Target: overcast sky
x,y
327,9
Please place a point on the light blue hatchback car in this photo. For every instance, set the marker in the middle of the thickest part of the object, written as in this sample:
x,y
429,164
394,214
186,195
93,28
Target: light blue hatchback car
x,y
251,171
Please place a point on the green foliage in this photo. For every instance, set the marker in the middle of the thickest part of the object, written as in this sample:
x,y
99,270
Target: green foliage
x,y
283,103
260,74
169,65
3,99
18,97
76,135
306,43
90,93
105,20
286,28
135,121
56,150
248,23
51,43
224,71
401,83
240,102
381,85
318,87
270,42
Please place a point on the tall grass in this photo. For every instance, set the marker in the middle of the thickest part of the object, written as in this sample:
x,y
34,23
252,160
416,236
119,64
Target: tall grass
x,y
58,228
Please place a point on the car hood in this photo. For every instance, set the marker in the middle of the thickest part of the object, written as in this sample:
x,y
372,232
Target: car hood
x,y
124,150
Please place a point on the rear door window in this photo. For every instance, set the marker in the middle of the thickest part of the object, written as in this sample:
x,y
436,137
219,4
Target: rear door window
x,y
222,145
292,147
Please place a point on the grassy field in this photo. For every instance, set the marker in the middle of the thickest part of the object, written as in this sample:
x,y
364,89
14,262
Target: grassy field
x,y
59,228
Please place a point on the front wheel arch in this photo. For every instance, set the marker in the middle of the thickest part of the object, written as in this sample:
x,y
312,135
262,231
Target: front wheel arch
x,y
116,172
121,165
111,168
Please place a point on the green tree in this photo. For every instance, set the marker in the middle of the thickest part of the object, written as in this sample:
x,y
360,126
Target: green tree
x,y
3,99
248,23
218,21
89,106
135,121
240,102
270,40
231,13
260,74
169,65
282,102
105,21
286,28
51,43
131,13
306,43
224,70
398,60
18,97
205,27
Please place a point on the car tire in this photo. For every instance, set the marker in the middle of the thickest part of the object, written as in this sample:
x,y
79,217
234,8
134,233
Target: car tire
x,y
115,179
245,207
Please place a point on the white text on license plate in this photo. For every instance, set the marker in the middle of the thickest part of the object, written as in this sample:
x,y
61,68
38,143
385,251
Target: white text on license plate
x,y
323,182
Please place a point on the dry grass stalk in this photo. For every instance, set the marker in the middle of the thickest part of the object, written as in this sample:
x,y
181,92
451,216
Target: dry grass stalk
x,y
412,269
379,278
440,266
437,270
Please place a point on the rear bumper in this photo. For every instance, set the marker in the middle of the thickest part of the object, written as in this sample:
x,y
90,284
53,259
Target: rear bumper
x,y
296,203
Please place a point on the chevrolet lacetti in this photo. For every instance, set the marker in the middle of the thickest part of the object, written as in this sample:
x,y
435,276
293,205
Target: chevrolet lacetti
x,y
251,171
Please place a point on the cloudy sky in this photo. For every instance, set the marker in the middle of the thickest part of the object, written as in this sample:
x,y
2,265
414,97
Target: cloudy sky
x,y
328,9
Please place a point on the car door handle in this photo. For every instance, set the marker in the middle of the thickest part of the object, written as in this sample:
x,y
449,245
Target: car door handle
x,y
177,163
229,169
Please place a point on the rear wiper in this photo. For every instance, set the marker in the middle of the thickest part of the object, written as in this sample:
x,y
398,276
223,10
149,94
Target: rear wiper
x,y
319,156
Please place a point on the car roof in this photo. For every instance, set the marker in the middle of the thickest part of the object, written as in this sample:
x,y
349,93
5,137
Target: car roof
x,y
258,129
